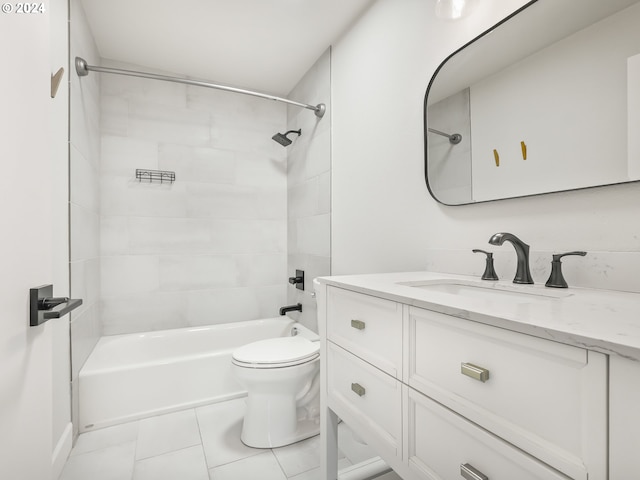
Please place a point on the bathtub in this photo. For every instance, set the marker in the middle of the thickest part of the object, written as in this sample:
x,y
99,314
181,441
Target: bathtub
x,y
138,375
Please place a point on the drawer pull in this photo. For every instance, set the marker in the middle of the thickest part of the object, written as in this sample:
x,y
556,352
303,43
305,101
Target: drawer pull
x,y
475,372
470,473
358,389
357,324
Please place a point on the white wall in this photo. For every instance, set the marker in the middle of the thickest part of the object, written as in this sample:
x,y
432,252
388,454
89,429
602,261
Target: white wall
x,y
211,247
383,216
26,246
309,188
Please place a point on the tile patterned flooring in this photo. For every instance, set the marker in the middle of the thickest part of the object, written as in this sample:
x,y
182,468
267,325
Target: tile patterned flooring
x,y
197,444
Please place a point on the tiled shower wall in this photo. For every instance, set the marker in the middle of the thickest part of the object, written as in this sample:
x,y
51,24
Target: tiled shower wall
x,y
84,204
211,247
309,188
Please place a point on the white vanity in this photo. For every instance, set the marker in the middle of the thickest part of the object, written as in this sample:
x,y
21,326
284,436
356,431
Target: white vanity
x,y
450,377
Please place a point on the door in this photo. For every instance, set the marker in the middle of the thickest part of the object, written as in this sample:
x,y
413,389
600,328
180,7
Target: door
x,y
25,243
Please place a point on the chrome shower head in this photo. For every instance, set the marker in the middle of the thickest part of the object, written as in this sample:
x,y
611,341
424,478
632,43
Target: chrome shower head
x,y
282,139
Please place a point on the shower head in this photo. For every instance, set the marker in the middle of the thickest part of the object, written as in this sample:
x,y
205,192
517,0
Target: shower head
x,y
282,139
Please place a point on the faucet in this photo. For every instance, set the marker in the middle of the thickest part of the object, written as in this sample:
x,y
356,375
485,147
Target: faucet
x,y
291,308
523,275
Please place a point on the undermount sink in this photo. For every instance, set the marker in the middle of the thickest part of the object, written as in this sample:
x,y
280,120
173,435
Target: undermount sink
x,y
488,291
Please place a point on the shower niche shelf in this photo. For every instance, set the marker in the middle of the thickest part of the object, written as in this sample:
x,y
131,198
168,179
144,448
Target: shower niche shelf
x,y
161,176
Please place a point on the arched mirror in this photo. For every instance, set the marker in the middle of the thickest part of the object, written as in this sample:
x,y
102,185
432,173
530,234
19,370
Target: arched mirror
x,y
547,100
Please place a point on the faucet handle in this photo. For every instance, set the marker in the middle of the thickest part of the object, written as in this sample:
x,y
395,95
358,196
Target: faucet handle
x,y
489,271
556,279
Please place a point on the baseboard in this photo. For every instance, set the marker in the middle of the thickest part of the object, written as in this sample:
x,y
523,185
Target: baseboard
x,y
366,470
61,452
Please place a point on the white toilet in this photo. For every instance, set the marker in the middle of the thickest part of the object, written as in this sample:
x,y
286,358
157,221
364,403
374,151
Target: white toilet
x,y
281,378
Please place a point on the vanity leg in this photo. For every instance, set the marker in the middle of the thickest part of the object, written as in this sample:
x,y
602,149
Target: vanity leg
x,y
328,444
328,419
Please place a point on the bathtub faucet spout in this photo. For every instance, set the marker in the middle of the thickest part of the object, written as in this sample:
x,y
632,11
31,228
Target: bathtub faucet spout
x,y
291,308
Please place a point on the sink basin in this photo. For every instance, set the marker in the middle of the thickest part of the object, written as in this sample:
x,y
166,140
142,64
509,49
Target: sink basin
x,y
488,291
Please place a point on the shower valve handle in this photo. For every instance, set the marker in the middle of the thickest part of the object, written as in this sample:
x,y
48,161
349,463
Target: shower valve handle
x,y
298,280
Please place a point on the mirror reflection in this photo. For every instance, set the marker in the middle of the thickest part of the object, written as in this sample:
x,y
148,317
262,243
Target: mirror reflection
x,y
548,100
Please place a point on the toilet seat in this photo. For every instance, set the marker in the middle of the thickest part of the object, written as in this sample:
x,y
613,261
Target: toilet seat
x,y
276,353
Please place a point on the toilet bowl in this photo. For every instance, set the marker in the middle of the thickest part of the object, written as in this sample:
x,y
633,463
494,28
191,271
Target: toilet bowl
x,y
281,379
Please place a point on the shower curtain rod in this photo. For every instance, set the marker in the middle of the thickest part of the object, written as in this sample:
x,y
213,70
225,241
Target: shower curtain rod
x,y
83,69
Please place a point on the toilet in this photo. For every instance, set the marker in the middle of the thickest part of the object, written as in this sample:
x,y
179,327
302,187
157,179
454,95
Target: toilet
x,y
281,376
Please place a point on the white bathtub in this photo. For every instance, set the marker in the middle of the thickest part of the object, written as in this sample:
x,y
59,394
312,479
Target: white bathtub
x,y
138,375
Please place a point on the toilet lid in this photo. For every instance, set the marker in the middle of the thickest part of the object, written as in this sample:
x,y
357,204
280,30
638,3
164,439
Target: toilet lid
x,y
281,351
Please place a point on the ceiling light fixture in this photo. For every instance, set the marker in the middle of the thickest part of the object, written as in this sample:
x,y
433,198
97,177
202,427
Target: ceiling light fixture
x,y
454,9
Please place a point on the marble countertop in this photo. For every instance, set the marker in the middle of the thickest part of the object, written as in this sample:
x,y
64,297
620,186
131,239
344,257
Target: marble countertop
x,y
602,320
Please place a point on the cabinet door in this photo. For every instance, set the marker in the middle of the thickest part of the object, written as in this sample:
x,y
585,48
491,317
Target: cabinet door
x,y
367,326
441,444
547,398
367,399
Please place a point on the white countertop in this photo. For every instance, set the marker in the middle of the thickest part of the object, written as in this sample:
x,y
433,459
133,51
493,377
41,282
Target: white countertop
x,y
601,320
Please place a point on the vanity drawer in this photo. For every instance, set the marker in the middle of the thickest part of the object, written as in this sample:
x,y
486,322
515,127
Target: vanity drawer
x,y
441,442
367,399
544,397
367,326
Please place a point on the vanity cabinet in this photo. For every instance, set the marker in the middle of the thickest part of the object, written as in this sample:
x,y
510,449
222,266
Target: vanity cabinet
x,y
441,398
546,398
443,445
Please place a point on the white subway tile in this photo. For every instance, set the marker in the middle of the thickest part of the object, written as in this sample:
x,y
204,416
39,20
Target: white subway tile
x,y
143,313
168,124
128,196
114,235
224,305
324,193
114,116
318,158
256,169
248,236
85,283
237,202
261,269
85,333
198,164
197,272
84,179
85,233
313,235
126,275
121,156
143,90
149,235
303,199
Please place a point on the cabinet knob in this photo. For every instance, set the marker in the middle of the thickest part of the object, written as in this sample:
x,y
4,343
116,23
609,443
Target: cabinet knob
x,y
474,371
357,324
470,473
358,389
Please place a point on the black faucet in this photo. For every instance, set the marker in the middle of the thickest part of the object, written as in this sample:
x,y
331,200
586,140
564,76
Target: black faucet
x,y
291,308
523,275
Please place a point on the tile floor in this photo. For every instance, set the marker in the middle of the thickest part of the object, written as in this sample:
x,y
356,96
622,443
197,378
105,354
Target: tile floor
x,y
197,444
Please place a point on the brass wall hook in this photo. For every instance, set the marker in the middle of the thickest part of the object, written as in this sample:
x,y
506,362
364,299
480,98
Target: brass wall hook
x,y
55,81
496,157
523,146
